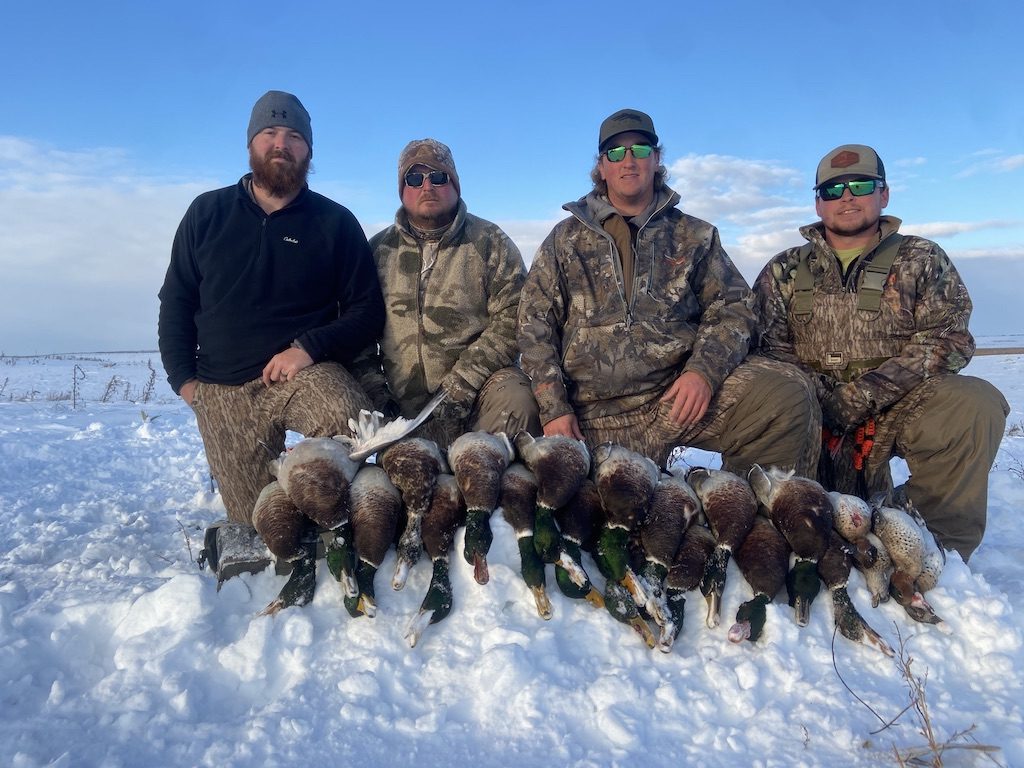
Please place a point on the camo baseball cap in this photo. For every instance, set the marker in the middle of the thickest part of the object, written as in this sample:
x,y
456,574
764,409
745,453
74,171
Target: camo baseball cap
x,y
850,160
623,121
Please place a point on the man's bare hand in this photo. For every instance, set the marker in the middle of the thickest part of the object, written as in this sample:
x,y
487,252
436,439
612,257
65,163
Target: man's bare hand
x,y
285,365
188,391
690,396
564,425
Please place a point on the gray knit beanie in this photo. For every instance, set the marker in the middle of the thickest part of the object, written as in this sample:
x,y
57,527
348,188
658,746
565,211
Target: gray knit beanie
x,y
280,108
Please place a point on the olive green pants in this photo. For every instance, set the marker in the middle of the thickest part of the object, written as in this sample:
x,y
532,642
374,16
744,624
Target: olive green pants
x,y
244,426
764,413
948,430
505,403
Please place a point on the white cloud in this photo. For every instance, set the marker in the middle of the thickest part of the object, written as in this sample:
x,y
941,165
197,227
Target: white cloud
x,y
86,243
993,162
938,229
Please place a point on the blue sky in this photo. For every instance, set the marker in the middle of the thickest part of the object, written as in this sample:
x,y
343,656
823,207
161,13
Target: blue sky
x,y
121,112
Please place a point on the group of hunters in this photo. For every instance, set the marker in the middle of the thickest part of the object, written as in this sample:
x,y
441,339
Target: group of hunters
x,y
632,325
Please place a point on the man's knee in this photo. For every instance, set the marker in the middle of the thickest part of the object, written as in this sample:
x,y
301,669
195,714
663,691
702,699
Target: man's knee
x,y
506,403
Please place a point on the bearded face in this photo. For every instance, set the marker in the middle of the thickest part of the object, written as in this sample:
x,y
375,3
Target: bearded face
x,y
277,172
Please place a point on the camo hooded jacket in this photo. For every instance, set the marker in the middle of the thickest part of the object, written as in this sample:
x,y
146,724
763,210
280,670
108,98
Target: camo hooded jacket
x,y
594,351
451,325
863,361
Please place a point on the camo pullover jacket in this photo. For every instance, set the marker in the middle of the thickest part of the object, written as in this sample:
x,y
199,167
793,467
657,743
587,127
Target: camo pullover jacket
x,y
919,330
594,351
449,324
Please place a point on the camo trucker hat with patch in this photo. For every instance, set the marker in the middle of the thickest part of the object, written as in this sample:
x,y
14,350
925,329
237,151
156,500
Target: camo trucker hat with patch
x,y
850,160
626,120
431,153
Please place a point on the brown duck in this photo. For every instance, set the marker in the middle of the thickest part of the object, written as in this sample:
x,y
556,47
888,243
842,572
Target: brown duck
x,y
412,465
376,506
763,559
441,521
729,507
478,460
802,511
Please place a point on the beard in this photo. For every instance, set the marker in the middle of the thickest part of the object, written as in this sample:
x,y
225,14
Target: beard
x,y
278,179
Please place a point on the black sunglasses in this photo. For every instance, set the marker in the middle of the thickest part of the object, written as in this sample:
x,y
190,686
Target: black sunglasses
x,y
437,178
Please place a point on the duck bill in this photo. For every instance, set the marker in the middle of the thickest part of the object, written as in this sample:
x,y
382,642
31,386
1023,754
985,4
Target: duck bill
x,y
402,568
480,572
419,623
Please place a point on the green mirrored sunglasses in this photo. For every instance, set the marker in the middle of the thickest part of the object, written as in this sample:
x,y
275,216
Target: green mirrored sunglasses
x,y
640,151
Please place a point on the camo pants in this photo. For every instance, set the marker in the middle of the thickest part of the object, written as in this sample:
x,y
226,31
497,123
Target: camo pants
x,y
504,403
948,429
243,427
765,412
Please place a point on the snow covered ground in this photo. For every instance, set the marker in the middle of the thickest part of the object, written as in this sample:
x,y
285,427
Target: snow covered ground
x,y
116,650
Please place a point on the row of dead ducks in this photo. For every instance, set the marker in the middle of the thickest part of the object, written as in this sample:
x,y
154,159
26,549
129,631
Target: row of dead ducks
x,y
653,536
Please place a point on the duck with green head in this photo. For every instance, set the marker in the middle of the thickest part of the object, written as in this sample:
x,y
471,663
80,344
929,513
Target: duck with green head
x,y
834,568
376,506
802,512
625,481
291,539
684,576
729,507
412,465
479,460
446,513
763,559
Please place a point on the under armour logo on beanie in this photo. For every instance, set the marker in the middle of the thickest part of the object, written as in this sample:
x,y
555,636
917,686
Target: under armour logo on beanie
x,y
280,108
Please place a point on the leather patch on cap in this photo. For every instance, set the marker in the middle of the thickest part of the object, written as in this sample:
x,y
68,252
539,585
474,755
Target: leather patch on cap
x,y
845,159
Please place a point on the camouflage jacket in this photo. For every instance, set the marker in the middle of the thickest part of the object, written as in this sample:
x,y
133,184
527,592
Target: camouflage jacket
x,y
463,329
865,361
592,350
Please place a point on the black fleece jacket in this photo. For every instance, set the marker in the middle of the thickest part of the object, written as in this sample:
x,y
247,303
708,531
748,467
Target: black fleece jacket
x,y
242,285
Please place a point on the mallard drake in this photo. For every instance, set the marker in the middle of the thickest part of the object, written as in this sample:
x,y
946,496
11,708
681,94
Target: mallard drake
x,y
685,575
479,459
560,464
625,481
291,538
802,511
578,520
519,503
375,508
413,465
763,559
729,506
441,521
673,507
834,569
851,517
316,473
905,544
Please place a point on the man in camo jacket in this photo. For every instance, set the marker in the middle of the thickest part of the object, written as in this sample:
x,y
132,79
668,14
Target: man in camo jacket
x,y
451,284
635,325
880,322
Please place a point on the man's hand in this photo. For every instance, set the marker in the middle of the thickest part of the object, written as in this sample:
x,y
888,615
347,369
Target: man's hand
x,y
188,391
285,365
564,425
690,396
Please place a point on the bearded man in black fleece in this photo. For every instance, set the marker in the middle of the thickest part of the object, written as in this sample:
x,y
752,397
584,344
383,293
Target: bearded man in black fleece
x,y
270,293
